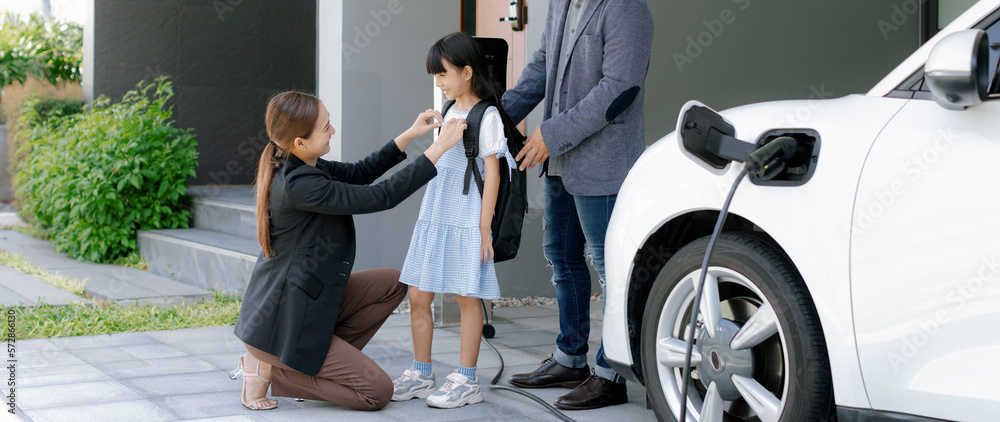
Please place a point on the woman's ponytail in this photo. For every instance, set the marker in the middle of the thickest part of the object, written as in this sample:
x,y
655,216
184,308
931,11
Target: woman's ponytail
x,y
265,175
289,115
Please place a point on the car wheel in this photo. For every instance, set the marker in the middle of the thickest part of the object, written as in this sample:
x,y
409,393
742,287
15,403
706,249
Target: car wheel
x,y
764,357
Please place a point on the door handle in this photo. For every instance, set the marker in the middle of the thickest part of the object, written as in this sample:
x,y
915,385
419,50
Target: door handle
x,y
518,15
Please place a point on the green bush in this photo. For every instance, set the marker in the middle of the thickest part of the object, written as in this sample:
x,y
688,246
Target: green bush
x,y
41,110
94,179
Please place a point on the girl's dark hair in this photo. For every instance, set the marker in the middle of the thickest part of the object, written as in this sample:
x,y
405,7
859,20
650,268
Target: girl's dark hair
x,y
461,50
289,115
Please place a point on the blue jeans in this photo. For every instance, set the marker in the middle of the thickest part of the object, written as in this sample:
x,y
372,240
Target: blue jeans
x,y
570,224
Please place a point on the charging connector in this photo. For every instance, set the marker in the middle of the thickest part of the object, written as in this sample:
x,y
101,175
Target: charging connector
x,y
709,137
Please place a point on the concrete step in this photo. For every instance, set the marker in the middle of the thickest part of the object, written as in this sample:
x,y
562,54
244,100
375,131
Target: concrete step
x,y
231,210
201,258
123,285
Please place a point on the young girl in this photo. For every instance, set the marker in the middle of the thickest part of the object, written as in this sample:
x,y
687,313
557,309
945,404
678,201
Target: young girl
x,y
451,250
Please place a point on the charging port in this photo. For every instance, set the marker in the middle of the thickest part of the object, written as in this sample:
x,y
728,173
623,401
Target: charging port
x,y
796,170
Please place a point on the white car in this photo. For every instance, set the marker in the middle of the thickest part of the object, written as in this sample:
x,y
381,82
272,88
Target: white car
x,y
858,280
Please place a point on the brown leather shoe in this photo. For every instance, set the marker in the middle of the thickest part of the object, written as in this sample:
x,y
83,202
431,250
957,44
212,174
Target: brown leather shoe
x,y
594,393
550,374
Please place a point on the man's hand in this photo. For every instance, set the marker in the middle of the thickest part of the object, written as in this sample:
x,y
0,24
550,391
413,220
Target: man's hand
x,y
534,151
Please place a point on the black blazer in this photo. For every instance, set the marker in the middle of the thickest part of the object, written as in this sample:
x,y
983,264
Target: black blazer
x,y
291,304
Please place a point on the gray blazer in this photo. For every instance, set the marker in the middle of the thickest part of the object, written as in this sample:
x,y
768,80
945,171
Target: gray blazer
x,y
598,132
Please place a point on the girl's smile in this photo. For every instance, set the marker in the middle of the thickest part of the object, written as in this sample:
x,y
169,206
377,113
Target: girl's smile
x,y
453,82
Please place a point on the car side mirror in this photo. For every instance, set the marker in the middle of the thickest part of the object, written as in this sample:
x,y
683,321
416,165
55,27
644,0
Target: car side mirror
x,y
957,69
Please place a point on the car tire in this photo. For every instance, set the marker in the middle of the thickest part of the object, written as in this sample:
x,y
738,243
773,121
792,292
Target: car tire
x,y
775,368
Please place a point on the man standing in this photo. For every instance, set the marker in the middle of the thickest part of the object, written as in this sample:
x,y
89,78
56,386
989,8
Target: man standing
x,y
590,70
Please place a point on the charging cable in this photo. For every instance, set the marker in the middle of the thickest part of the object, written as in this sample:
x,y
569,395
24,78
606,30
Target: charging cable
x,y
758,162
496,378
701,285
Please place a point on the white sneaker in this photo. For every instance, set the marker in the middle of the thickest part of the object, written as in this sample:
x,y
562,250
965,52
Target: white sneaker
x,y
457,391
412,384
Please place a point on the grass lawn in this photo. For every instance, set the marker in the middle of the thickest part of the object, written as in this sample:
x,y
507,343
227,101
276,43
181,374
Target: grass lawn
x,y
92,317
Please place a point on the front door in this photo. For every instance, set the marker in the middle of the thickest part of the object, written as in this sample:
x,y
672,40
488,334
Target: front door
x,y
488,24
925,262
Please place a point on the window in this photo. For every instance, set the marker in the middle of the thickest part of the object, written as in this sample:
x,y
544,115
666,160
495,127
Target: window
x,y
993,32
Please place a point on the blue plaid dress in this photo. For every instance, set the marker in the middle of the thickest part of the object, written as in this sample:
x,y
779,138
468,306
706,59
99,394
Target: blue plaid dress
x,y
444,254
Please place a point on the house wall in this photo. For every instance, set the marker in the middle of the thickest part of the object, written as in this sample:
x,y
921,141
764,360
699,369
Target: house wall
x,y
225,57
726,53
383,86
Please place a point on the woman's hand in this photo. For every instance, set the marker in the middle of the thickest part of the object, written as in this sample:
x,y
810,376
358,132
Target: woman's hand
x,y
487,245
451,133
426,122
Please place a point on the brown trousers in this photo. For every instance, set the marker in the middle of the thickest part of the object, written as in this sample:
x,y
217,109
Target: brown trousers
x,y
347,377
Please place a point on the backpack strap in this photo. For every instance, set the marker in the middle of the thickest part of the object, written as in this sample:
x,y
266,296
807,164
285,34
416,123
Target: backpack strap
x,y
471,140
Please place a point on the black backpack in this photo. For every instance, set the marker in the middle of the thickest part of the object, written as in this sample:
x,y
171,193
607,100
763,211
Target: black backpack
x,y
512,196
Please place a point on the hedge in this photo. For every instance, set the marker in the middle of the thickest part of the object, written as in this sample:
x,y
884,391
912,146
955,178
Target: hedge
x,y
96,178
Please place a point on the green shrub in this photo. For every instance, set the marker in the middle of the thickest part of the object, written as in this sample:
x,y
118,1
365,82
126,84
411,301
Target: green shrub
x,y
94,179
41,110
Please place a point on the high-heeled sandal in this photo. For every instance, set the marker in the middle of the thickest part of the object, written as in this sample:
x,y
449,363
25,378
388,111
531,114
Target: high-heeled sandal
x,y
249,405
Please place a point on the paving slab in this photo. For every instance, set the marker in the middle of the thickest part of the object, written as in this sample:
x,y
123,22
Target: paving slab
x,y
153,367
74,394
124,411
203,405
40,376
127,353
223,361
169,385
526,339
224,419
102,340
49,358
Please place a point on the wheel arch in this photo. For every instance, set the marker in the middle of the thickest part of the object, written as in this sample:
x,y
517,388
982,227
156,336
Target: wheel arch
x,y
659,247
